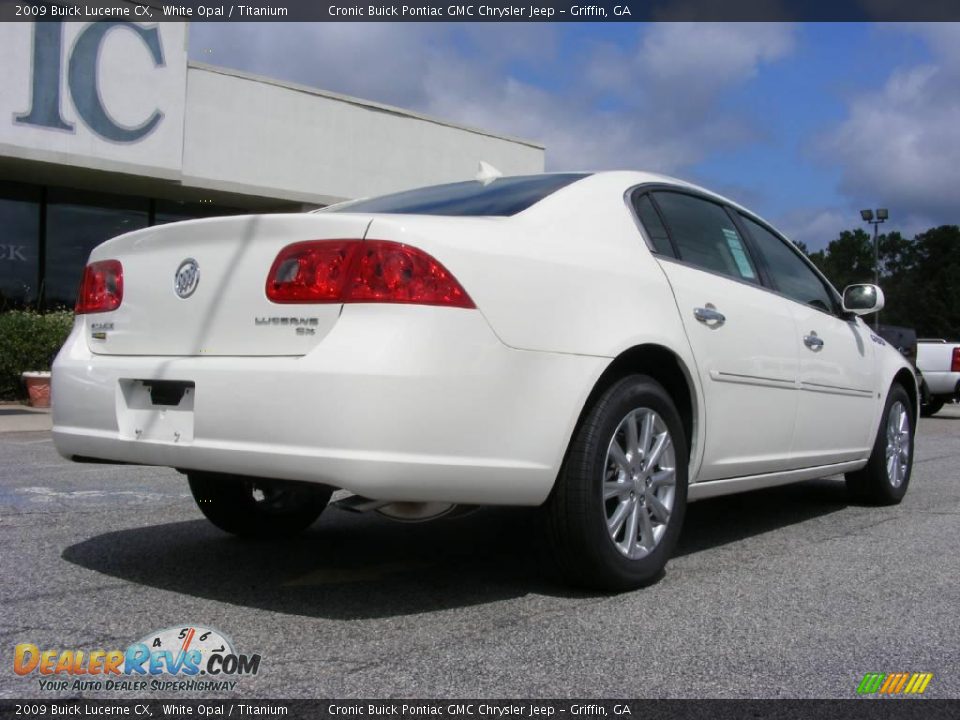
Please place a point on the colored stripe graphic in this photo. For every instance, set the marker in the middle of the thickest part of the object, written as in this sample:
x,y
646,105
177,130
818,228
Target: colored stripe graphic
x,y
871,683
894,683
923,679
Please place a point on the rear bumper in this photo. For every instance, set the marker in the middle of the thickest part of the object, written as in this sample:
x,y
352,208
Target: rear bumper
x,y
942,384
397,403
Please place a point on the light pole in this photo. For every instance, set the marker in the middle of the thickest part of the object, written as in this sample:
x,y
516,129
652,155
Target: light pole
x,y
868,217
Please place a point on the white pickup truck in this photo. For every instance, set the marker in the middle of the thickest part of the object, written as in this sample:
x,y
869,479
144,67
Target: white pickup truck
x,y
939,361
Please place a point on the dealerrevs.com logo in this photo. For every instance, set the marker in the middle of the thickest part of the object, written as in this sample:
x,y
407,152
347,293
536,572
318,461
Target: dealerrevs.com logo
x,y
897,683
184,658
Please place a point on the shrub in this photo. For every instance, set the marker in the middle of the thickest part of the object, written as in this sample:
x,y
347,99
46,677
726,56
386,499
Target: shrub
x,y
29,341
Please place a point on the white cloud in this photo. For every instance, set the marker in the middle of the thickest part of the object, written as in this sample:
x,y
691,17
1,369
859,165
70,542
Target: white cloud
x,y
816,228
369,60
653,104
711,55
899,145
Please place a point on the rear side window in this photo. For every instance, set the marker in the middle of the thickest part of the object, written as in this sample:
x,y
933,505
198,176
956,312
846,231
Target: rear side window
x,y
654,227
791,275
705,235
503,196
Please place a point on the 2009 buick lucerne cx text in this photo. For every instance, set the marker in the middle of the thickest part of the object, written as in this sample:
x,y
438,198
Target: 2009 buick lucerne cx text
x,y
610,346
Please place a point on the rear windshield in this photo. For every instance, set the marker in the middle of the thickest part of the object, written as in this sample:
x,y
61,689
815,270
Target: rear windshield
x,y
503,196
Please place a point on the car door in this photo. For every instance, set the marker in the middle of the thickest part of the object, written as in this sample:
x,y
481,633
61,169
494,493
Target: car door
x,y
742,336
837,380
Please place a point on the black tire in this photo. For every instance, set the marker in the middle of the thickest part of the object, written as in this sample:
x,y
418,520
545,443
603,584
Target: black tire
x,y
257,507
874,484
577,514
931,407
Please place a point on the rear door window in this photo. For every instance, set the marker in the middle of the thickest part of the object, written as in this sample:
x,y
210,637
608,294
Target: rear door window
x,y
705,235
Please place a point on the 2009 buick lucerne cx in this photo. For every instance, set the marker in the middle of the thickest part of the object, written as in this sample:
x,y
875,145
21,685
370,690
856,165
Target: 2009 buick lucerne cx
x,y
610,346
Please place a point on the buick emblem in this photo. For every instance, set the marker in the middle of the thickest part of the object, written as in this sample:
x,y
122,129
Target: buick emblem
x,y
187,277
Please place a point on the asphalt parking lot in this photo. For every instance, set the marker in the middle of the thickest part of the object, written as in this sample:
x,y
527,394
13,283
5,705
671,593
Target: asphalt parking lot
x,y
789,592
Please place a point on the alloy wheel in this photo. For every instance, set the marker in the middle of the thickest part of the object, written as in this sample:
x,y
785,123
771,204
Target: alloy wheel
x,y
898,443
639,483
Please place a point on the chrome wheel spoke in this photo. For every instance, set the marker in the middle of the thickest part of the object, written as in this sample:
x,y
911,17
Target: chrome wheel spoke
x,y
615,522
612,489
661,513
630,434
663,442
647,537
647,435
665,477
630,534
618,456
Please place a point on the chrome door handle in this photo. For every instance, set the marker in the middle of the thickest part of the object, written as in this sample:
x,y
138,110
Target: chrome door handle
x,y
812,341
709,316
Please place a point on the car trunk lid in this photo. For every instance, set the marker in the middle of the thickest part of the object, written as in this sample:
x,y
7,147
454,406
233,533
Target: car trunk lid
x,y
221,267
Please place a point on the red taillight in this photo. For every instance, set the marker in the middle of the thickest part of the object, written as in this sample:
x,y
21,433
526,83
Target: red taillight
x,y
358,271
955,360
310,272
102,287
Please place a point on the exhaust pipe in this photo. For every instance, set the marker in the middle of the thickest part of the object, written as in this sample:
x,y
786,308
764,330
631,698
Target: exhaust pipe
x,y
399,511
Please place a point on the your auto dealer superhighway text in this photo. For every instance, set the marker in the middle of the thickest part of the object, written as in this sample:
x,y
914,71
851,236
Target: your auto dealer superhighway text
x,y
469,11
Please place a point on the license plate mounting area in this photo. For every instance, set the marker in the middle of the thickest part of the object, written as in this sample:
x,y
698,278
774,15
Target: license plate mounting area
x,y
160,411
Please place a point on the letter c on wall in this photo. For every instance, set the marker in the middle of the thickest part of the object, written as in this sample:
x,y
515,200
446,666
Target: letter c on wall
x,y
84,82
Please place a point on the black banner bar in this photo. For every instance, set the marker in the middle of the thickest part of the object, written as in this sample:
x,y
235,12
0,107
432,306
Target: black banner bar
x,y
857,709
472,11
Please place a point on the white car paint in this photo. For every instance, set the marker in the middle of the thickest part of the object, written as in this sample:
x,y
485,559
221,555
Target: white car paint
x,y
475,406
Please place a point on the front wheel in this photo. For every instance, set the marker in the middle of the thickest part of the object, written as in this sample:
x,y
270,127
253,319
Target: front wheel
x,y
616,512
257,507
884,480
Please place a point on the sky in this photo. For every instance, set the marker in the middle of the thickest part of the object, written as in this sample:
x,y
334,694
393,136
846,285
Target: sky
x,y
805,124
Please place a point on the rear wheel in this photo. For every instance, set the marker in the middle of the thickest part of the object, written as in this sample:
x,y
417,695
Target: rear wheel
x,y
257,507
886,476
616,512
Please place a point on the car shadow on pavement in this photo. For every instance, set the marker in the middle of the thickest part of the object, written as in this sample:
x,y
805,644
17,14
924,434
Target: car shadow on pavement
x,y
732,518
349,566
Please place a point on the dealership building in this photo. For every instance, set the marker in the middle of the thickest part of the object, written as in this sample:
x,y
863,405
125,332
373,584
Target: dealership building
x,y
108,127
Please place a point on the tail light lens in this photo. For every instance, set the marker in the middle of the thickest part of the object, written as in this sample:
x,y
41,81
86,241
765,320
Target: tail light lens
x,y
358,271
955,360
101,289
310,272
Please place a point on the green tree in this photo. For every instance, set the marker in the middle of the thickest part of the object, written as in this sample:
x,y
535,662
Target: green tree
x,y
918,277
931,291
848,259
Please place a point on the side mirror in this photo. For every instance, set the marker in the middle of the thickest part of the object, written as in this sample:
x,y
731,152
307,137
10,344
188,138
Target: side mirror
x,y
862,299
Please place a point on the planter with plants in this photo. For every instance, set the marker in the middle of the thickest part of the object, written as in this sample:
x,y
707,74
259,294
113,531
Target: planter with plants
x,y
37,383
29,341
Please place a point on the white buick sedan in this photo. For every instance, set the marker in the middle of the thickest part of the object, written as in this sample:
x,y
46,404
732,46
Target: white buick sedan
x,y
608,346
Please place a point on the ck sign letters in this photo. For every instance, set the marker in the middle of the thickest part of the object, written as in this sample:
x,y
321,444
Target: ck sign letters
x,y
82,80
